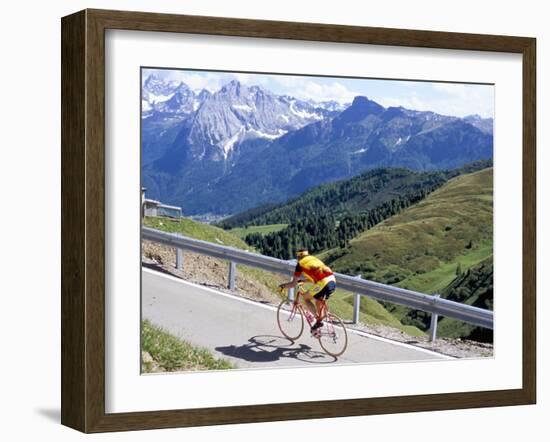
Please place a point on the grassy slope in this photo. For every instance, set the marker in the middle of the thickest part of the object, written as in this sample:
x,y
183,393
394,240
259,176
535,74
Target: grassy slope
x,y
196,230
241,232
172,354
436,280
443,225
421,247
371,312
474,287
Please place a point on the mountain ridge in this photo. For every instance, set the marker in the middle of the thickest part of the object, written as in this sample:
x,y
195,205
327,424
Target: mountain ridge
x,y
243,146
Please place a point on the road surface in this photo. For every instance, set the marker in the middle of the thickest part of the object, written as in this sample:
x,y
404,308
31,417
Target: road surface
x,y
246,332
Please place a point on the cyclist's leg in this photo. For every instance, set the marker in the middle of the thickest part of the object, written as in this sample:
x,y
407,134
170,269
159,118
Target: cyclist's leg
x,y
321,299
311,296
321,308
307,298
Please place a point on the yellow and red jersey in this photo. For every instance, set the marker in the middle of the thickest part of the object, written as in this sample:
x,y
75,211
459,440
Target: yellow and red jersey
x,y
313,269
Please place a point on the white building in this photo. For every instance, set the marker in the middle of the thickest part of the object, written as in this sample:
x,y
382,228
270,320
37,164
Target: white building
x,y
156,208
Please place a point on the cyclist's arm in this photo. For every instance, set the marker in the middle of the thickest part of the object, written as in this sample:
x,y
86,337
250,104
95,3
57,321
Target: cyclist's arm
x,y
295,279
291,284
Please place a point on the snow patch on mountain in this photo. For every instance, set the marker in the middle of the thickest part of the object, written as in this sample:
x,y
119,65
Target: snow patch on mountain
x,y
154,99
243,107
228,145
145,106
162,98
260,134
303,113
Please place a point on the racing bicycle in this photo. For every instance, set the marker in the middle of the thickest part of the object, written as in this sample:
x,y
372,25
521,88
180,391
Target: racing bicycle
x,y
332,337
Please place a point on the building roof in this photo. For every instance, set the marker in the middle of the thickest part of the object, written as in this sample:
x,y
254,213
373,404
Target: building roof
x,y
166,206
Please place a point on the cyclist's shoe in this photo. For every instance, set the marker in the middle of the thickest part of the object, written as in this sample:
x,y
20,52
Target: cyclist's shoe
x,y
316,326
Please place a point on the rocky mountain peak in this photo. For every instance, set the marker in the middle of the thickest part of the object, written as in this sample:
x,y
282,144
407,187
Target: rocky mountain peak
x,y
360,108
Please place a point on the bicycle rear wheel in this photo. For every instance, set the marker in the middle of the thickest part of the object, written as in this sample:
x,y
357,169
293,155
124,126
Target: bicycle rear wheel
x,y
290,320
333,336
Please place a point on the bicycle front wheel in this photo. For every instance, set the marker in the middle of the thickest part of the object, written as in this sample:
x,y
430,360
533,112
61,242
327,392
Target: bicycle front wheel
x,y
290,320
333,336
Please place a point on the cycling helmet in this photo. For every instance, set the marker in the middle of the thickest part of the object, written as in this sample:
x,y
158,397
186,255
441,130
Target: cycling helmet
x,y
301,253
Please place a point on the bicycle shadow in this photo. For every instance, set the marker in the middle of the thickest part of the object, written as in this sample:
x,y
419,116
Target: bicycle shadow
x,y
268,348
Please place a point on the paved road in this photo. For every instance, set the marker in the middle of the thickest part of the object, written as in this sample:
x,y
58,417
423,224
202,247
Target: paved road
x,y
246,332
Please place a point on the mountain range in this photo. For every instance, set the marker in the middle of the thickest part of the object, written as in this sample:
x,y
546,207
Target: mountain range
x,y
243,146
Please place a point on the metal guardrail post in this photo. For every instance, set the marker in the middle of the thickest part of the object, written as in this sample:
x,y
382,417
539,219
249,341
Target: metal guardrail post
x,y
292,291
433,325
356,305
291,294
232,275
179,259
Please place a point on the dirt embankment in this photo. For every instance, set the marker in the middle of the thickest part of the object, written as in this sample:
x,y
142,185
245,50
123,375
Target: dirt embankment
x,y
212,272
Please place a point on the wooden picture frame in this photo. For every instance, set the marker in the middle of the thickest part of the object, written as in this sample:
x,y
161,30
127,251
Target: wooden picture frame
x,y
83,219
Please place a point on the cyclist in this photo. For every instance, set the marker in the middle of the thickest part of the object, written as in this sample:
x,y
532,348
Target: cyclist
x,y
324,283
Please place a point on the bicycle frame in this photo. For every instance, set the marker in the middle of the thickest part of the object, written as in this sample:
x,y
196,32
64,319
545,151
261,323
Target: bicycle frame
x,y
326,334
322,311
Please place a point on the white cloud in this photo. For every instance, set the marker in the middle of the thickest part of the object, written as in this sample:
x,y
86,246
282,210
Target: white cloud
x,y
450,88
465,99
251,79
410,102
304,88
447,99
299,87
195,80
335,91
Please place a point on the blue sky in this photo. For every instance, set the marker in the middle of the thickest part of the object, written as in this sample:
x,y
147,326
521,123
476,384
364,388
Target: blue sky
x,y
444,98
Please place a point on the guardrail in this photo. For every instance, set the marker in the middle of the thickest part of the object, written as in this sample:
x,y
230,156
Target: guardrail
x,y
361,287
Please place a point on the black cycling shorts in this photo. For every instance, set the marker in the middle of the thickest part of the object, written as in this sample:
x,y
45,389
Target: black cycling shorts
x,y
326,291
